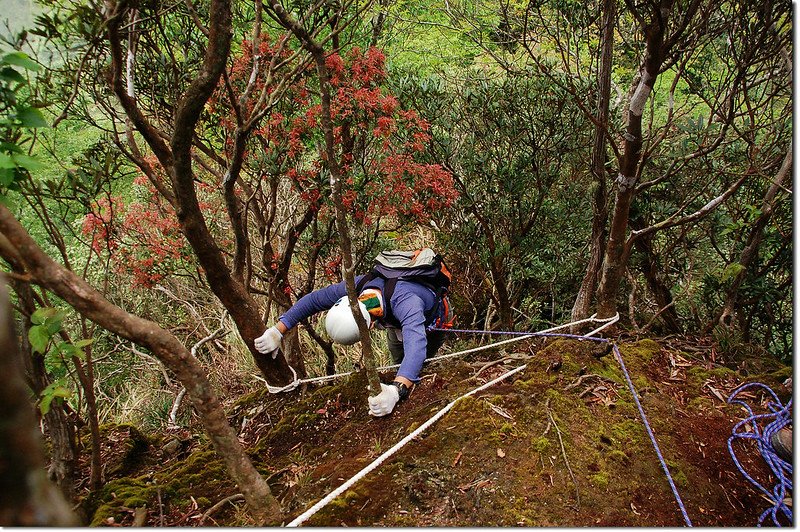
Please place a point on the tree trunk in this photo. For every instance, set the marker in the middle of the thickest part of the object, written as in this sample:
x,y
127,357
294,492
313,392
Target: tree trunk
x,y
583,301
87,382
64,450
27,498
617,250
651,269
727,313
92,305
176,158
332,163
501,289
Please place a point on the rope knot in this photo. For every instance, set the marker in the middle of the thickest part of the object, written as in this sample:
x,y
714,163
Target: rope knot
x,y
291,386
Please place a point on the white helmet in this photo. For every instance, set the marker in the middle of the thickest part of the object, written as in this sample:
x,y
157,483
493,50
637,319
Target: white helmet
x,y
340,323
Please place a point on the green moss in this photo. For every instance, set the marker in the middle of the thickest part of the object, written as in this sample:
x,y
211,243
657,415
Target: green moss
x,y
540,444
610,370
305,419
619,457
135,502
640,382
649,345
696,376
677,474
627,432
781,374
625,408
722,372
638,355
507,429
345,499
600,479
119,494
700,404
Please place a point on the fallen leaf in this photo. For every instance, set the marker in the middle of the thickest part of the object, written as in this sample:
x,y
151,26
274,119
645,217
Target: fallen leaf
x,y
499,410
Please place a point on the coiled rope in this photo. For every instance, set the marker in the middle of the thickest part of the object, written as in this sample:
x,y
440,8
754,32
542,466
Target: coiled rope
x,y
780,416
606,322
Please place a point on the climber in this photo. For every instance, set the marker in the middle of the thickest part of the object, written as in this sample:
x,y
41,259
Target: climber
x,y
412,307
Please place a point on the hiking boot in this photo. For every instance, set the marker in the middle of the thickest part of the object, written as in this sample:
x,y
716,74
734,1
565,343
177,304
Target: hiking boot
x,y
782,443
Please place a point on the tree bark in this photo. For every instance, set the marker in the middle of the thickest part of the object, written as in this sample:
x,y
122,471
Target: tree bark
x,y
27,498
615,257
64,451
586,292
651,269
92,305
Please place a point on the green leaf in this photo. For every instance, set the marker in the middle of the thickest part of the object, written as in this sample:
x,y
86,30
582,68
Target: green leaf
x,y
10,74
27,162
41,315
6,161
53,323
39,338
731,271
54,391
7,176
21,60
10,146
83,343
31,117
69,350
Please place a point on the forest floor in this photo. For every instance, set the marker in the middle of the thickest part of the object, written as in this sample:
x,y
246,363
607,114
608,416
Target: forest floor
x,y
559,444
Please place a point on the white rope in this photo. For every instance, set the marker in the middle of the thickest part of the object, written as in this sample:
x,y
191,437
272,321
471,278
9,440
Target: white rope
x,y
302,518
297,382
291,386
361,474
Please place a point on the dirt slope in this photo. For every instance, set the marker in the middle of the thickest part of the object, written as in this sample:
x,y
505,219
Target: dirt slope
x,y
559,444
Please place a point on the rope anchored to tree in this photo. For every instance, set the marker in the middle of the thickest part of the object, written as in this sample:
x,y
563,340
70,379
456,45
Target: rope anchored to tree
x,y
606,322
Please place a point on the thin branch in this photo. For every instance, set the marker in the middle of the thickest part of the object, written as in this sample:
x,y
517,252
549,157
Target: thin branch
x,y
564,454
672,221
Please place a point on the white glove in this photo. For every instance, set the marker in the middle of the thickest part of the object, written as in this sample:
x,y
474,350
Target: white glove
x,y
383,403
269,342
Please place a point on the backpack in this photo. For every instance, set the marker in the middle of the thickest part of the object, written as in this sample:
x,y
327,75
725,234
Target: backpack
x,y
423,266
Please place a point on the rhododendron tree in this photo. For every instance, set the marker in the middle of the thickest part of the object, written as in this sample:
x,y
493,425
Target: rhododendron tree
x,y
285,175
143,237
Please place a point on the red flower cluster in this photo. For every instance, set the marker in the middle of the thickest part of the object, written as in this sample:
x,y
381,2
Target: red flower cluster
x,y
143,238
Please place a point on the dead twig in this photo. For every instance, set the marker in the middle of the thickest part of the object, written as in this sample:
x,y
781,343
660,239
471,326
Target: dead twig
x,y
211,511
160,508
509,358
564,454
173,413
577,382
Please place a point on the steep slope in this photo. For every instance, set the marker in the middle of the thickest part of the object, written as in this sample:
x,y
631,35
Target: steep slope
x,y
558,444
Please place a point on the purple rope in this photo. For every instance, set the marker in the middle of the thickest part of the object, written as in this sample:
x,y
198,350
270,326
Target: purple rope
x,y
652,436
780,416
632,389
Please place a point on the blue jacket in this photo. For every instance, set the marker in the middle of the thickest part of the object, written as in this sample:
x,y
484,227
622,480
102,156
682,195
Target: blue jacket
x,y
409,304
